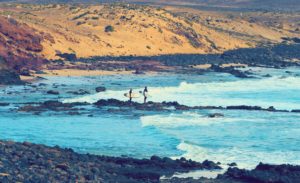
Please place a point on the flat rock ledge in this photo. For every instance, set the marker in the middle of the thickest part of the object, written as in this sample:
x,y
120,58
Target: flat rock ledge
x,y
58,106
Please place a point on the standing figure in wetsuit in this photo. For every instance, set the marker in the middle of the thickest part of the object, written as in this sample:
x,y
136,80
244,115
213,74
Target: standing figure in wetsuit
x,y
145,94
130,95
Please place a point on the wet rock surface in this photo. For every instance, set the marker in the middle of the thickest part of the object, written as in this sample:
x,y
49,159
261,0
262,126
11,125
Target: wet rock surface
x,y
50,106
79,92
216,115
10,78
263,173
231,70
52,92
100,89
26,162
161,106
3,104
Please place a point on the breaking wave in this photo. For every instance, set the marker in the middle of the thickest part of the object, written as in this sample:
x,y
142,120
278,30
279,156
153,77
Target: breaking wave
x,y
276,91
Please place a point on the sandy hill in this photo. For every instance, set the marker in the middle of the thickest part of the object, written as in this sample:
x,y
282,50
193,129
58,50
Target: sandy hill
x,y
242,4
127,29
238,4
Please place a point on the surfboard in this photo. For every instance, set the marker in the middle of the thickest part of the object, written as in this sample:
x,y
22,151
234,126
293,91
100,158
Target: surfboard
x,y
133,95
147,94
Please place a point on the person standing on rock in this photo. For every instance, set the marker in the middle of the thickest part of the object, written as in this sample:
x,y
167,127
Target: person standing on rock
x,y
130,95
145,94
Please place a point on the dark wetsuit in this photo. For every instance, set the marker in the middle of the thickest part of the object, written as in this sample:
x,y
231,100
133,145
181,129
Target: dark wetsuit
x,y
145,94
130,95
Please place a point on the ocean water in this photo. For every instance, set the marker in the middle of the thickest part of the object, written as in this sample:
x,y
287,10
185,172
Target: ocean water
x,y
244,137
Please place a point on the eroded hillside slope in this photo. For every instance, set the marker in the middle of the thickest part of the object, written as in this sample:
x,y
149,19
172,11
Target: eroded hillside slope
x,y
20,45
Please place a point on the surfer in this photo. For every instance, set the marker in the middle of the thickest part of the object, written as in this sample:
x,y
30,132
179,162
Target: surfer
x,y
145,94
130,95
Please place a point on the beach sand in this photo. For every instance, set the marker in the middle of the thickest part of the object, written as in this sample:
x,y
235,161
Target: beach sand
x,y
77,72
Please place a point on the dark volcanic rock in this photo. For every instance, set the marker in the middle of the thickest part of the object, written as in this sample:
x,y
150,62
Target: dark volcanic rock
x,y
100,89
216,115
52,106
161,106
151,106
232,164
4,104
52,92
67,56
79,92
25,72
265,56
110,105
26,162
230,70
10,78
264,173
244,107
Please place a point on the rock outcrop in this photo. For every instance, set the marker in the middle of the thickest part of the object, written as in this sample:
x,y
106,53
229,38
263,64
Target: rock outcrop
x,y
8,77
27,162
20,45
264,173
149,106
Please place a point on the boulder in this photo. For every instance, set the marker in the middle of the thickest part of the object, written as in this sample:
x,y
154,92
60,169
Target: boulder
x,y
263,173
230,70
100,89
79,92
2,104
216,115
232,164
52,92
8,77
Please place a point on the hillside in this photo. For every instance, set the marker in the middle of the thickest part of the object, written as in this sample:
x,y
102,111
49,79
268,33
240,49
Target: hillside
x,y
20,43
123,29
293,5
241,4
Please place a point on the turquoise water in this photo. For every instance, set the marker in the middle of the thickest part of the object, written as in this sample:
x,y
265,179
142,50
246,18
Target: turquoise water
x,y
245,137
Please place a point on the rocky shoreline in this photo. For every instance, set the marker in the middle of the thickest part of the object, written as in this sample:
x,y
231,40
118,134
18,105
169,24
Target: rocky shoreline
x,y
269,56
27,162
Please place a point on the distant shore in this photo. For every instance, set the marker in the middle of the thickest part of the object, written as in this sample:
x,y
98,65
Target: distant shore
x,y
278,56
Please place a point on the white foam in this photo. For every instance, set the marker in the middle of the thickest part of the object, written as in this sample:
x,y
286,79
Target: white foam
x,y
210,174
174,120
197,174
244,158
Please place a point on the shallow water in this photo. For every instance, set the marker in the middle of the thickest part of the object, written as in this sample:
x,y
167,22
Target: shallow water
x,y
244,137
